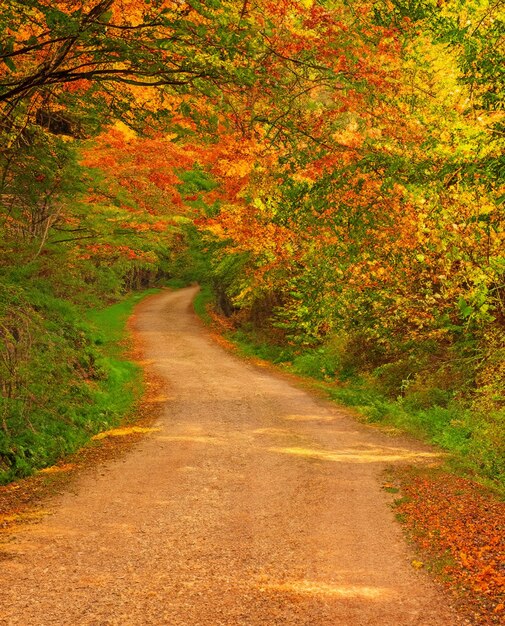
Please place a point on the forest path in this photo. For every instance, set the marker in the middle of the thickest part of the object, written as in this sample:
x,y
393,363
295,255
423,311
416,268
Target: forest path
x,y
251,503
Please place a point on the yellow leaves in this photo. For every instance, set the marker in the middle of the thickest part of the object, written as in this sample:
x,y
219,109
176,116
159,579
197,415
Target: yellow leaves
x,y
125,130
417,564
486,208
258,204
238,167
303,177
130,12
57,469
349,138
123,432
19,518
173,5
375,133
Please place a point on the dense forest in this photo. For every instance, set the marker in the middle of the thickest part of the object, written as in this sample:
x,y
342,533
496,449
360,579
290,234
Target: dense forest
x,y
330,171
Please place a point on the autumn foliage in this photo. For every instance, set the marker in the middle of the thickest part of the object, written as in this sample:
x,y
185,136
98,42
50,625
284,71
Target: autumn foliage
x,y
458,530
369,206
332,169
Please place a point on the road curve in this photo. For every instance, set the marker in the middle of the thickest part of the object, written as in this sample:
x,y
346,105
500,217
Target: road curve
x,y
251,504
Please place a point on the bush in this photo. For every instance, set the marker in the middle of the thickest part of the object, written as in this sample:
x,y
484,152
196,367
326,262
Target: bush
x,y
62,376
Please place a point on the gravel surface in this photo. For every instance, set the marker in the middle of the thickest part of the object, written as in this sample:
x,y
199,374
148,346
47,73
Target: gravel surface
x,y
252,503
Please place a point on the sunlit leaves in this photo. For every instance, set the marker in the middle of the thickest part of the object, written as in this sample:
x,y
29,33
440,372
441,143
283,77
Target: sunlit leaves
x,y
355,148
458,528
382,180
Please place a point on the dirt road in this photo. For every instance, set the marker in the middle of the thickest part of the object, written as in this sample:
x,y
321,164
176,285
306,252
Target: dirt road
x,y
253,503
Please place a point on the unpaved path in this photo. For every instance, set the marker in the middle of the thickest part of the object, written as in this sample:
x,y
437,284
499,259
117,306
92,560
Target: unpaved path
x,y
253,504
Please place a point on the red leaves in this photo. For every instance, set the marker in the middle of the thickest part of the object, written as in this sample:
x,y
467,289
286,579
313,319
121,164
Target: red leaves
x,y
146,168
461,529
109,252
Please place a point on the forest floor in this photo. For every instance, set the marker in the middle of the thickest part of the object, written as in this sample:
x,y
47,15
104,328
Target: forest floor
x,y
247,500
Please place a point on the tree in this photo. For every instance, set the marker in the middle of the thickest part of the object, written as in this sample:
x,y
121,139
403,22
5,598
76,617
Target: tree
x,y
379,200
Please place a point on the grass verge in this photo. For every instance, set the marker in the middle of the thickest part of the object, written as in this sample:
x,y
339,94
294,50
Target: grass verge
x,y
201,303
77,379
120,386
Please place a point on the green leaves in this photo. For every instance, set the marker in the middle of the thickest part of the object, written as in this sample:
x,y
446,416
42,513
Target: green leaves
x,y
10,63
464,308
6,50
56,18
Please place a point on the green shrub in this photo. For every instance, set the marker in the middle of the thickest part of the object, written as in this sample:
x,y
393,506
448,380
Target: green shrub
x,y
64,377
322,363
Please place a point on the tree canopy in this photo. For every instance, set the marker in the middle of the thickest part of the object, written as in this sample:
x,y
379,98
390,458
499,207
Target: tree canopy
x,y
335,167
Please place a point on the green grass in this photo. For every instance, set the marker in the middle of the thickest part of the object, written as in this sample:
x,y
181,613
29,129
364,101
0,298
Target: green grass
x,y
474,442
108,325
202,299
79,382
121,383
177,283
250,347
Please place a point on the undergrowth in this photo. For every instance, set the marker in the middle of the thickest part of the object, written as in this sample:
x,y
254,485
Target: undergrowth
x,y
64,375
202,299
475,439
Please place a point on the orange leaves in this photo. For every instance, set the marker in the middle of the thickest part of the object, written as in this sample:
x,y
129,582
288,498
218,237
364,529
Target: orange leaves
x,y
109,253
238,163
145,227
128,12
135,191
249,232
146,168
460,527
